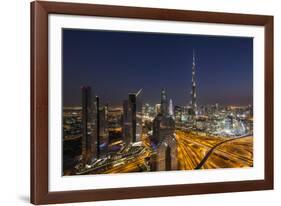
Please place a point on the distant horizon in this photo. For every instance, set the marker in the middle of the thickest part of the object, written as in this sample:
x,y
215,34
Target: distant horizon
x,y
224,105
117,63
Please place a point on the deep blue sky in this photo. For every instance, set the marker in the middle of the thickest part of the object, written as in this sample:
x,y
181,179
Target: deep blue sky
x,y
116,63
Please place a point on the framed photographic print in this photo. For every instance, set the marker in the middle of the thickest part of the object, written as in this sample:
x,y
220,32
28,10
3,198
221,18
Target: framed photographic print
x,y
133,102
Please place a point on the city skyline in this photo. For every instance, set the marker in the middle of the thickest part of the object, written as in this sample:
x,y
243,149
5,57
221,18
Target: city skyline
x,y
109,65
182,131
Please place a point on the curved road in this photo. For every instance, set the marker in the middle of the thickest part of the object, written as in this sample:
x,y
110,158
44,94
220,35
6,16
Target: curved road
x,y
213,148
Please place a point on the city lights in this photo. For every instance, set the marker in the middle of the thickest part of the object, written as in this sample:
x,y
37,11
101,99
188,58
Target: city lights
x,y
138,136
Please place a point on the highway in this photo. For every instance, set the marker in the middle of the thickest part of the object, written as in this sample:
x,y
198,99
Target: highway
x,y
215,147
136,163
203,152
128,166
194,152
232,154
192,148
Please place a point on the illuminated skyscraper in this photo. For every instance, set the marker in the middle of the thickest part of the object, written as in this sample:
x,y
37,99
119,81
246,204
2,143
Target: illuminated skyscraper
x,y
163,124
90,143
157,108
127,123
163,136
171,109
193,102
164,102
132,118
178,113
96,144
103,127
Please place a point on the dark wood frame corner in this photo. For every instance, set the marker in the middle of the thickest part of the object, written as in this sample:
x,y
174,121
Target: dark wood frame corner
x,y
39,102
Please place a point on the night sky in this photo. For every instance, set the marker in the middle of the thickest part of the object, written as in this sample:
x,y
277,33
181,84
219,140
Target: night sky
x,y
117,63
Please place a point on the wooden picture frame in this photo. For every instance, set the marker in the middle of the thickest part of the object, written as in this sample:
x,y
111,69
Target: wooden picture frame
x,y
39,102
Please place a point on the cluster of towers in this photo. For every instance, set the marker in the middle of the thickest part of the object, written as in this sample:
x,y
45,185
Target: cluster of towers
x,y
164,128
93,125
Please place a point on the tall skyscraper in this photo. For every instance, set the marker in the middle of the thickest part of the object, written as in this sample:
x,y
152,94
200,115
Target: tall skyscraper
x,y
133,115
127,123
103,111
132,118
96,144
178,113
139,115
157,108
193,102
164,102
163,136
90,144
171,109
163,123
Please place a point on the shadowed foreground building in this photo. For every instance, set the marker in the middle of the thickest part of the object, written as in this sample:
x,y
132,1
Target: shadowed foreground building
x,y
90,140
103,127
132,118
163,135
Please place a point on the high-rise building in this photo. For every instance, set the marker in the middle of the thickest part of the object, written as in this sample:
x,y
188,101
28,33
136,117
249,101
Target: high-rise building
x,y
193,102
164,102
157,108
139,116
127,123
171,109
178,113
97,127
89,126
103,111
132,107
163,123
132,118
163,136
